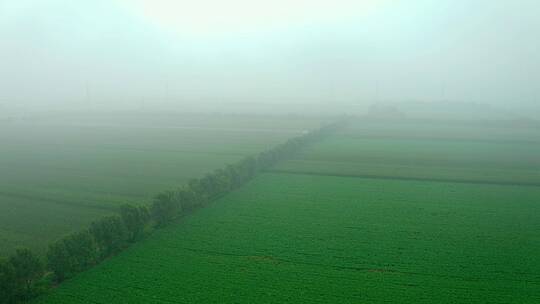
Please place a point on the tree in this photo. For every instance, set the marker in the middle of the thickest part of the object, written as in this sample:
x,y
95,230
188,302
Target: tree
x,y
7,282
72,254
27,268
248,168
188,198
110,235
234,176
58,260
82,248
77,252
223,181
166,206
134,219
265,159
200,195
208,183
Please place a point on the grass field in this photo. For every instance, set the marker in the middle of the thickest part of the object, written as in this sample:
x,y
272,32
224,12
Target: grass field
x,y
446,229
446,153
289,238
57,174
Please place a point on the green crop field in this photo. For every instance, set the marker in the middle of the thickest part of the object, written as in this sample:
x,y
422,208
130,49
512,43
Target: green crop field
x,y
57,174
447,216
292,238
447,153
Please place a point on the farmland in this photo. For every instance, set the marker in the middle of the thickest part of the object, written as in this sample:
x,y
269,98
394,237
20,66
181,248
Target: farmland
x,y
458,223
57,174
310,239
425,152
482,162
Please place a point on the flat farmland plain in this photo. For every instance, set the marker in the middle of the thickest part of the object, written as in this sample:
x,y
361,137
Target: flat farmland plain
x,y
57,174
292,238
446,229
424,152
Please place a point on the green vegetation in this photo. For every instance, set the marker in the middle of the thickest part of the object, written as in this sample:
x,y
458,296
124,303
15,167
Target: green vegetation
x,y
422,159
63,173
106,237
19,276
439,153
310,239
413,216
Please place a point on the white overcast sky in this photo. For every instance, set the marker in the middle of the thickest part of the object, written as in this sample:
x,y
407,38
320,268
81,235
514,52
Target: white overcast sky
x,y
68,53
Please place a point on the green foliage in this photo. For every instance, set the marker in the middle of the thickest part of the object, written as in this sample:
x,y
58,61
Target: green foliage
x,y
107,236
27,270
72,254
8,282
82,250
378,240
91,171
323,239
134,220
110,235
166,207
189,198
57,260
200,196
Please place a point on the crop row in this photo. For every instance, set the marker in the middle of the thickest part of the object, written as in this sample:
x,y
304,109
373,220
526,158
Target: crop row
x,y
23,273
319,239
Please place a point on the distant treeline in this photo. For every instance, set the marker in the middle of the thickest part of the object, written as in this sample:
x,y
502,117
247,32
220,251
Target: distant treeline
x,y
24,275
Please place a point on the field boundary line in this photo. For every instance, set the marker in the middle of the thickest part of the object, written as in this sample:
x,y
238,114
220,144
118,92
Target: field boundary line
x,y
64,202
404,178
450,139
110,235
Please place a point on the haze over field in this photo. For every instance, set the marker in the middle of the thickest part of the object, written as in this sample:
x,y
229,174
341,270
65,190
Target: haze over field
x,y
245,151
236,55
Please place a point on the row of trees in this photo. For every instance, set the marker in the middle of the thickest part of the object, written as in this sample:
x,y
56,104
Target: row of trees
x,y
24,274
19,276
104,238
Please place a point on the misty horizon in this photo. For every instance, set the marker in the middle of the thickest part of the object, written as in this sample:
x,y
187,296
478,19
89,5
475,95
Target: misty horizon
x,y
178,55
240,151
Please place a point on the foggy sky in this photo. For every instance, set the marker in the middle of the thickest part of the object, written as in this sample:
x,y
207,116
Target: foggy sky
x,y
69,54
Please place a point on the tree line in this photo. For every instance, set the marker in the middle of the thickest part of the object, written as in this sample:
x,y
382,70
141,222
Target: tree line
x,y
24,275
